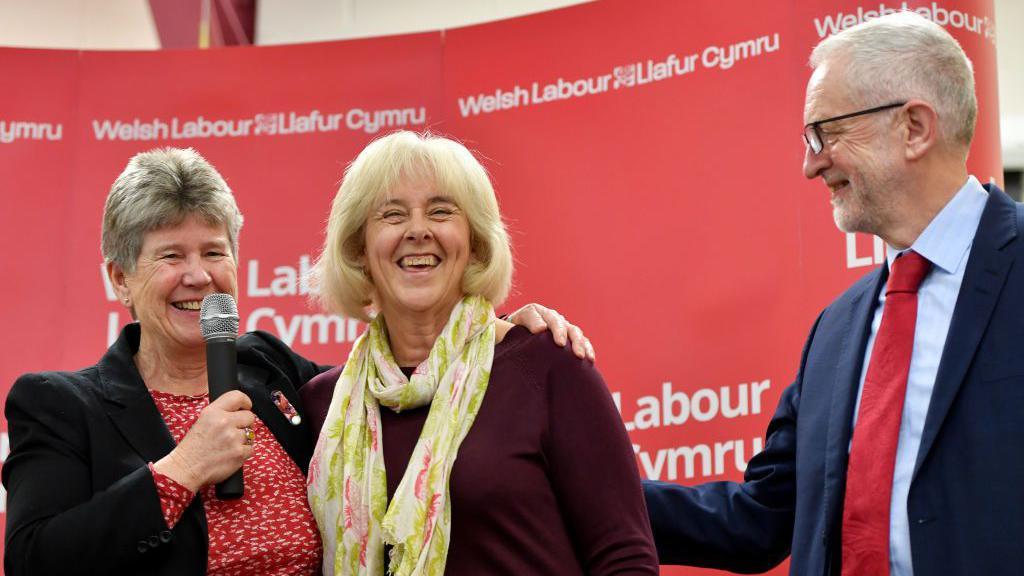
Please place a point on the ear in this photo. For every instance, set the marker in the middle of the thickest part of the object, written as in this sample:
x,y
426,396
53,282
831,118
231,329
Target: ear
x,y
363,265
119,282
922,129
353,250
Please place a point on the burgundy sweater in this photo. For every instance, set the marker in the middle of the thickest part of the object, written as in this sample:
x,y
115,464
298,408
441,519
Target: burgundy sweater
x,y
545,481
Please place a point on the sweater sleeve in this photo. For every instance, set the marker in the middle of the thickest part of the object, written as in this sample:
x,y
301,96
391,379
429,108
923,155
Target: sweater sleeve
x,y
594,472
174,498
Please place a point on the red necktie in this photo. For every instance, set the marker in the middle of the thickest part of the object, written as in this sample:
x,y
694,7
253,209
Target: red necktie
x,y
873,450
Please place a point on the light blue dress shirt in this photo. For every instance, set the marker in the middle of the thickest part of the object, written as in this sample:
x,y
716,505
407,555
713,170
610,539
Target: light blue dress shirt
x,y
946,243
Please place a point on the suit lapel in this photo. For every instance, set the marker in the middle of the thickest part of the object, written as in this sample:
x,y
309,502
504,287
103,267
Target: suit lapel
x,y
258,378
129,405
135,415
987,269
860,312
253,381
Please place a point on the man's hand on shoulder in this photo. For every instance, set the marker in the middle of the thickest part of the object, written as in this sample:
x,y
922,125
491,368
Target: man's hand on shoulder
x,y
537,318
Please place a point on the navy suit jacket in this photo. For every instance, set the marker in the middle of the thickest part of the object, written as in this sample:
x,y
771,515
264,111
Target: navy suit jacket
x,y
966,501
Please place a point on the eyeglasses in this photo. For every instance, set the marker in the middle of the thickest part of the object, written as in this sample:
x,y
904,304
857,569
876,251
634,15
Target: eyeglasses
x,y
812,132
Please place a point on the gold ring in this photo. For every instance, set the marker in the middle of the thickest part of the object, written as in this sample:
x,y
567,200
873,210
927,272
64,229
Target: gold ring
x,y
250,436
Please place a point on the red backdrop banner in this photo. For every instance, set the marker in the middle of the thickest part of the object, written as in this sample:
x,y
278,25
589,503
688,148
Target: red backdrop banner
x,y
646,156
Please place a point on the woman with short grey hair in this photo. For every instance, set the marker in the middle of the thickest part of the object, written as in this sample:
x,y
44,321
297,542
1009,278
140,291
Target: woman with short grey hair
x,y
112,468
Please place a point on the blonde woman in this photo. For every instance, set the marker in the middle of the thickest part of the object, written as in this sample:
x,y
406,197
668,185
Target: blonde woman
x,y
453,442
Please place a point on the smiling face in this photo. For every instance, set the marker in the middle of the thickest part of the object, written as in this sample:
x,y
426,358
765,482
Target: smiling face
x,y
856,162
177,266
417,247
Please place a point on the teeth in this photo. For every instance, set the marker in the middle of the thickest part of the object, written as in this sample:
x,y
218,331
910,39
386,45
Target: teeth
x,y
429,260
189,305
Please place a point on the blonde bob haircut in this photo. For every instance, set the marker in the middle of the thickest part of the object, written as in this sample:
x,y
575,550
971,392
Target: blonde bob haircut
x,y
338,277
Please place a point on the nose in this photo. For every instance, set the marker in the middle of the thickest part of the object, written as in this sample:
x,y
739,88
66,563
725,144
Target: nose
x,y
419,228
815,164
195,273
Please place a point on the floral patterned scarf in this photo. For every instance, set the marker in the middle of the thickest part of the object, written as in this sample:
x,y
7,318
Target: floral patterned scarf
x,y
347,484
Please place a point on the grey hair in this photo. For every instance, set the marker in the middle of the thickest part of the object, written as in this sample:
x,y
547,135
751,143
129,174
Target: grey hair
x,y
160,188
901,56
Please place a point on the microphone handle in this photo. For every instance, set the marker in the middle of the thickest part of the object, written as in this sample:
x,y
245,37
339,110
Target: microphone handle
x,y
222,376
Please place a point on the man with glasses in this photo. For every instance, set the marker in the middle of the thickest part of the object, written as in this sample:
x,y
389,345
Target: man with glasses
x,y
899,448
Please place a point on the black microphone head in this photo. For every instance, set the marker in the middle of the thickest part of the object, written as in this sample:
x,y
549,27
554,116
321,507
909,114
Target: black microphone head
x,y
218,317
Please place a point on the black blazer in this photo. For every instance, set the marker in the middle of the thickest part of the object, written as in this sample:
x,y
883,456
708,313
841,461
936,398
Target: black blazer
x,y
81,499
965,507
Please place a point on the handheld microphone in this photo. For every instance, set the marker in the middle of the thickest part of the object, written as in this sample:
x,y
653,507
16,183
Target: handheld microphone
x,y
218,321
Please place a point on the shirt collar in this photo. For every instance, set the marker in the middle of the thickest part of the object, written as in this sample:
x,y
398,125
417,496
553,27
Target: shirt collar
x,y
947,239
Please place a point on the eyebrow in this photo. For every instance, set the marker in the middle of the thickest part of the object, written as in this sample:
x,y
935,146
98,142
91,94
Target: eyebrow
x,y
221,243
432,200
